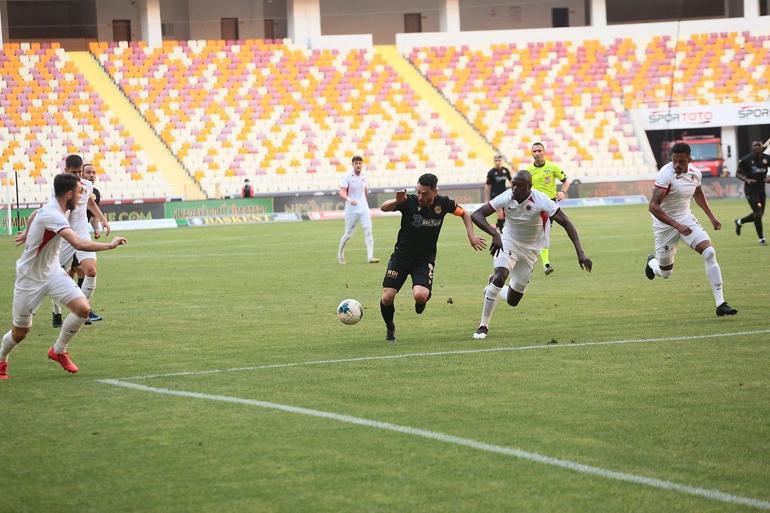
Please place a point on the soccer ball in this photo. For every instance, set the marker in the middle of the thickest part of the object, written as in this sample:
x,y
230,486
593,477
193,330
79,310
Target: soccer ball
x,y
350,311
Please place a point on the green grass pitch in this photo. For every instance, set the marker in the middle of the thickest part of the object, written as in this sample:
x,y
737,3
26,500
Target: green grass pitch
x,y
692,411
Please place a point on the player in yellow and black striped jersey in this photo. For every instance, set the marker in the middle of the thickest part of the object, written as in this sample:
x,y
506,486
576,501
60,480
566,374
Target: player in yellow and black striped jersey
x,y
544,175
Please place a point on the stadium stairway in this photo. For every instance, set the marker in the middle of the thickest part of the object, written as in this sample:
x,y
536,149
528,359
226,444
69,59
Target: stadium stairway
x,y
425,90
175,174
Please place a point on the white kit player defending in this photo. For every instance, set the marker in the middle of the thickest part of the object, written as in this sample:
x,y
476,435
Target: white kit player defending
x,y
38,274
672,220
353,189
526,231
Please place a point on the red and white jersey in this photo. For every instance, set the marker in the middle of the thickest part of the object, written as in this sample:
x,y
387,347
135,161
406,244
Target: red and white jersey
x,y
356,187
527,224
41,249
680,191
78,217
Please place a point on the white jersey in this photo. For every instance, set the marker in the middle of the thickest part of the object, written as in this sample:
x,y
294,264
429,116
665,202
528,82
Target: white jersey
x,y
356,187
78,216
527,224
41,249
680,191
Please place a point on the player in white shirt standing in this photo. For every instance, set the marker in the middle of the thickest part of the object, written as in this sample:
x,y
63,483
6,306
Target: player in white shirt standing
x,y
678,182
528,215
38,274
353,189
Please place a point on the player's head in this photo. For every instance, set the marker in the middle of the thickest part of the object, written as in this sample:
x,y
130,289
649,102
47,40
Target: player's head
x,y
521,185
680,157
538,153
499,160
73,164
757,147
89,172
427,188
66,186
358,163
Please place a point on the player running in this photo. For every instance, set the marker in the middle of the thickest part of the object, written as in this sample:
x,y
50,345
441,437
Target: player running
x,y
353,189
38,274
678,182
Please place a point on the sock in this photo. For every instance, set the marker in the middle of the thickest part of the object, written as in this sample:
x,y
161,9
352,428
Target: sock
x,y
747,219
89,286
738,222
758,226
655,266
500,223
70,326
544,256
80,282
344,240
56,308
714,274
491,298
7,345
369,240
387,311
504,292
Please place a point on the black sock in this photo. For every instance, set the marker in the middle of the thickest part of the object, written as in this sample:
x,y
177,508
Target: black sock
x,y
419,307
500,224
749,218
80,282
758,226
387,311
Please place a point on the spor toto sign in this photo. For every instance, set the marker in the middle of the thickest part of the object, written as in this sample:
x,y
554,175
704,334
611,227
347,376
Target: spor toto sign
x,y
728,114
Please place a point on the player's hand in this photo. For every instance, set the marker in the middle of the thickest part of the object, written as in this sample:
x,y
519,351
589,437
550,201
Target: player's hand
x,y
585,262
684,230
560,196
715,223
118,241
353,202
401,196
106,227
750,181
496,246
97,234
21,238
477,242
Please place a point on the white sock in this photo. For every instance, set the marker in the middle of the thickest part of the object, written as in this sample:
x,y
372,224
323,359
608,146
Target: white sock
x,y
714,274
56,308
344,240
655,266
491,298
504,292
89,286
70,326
7,345
369,240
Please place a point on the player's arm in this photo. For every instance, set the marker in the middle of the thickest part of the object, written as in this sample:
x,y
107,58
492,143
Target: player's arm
x,y
97,212
479,218
564,189
658,195
391,204
21,237
561,218
477,242
740,173
700,200
76,242
487,191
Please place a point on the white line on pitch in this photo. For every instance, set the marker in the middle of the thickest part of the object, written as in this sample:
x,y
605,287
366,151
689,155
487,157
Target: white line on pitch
x,y
450,353
716,495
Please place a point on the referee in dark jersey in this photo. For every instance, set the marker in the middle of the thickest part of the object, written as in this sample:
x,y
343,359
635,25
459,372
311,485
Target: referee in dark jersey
x,y
752,171
498,180
422,216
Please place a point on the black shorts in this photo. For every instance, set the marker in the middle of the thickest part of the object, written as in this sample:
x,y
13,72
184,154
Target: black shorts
x,y
400,268
756,199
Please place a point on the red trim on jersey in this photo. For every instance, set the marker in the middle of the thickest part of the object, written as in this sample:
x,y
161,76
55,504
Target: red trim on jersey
x,y
459,211
47,236
530,199
661,187
544,218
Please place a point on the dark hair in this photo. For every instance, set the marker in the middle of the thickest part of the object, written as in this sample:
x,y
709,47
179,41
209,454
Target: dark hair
x,y
538,143
64,183
73,162
357,158
680,148
428,180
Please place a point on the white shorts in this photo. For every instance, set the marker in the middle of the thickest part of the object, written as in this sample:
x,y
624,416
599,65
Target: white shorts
x,y
520,263
667,238
66,252
353,218
27,295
